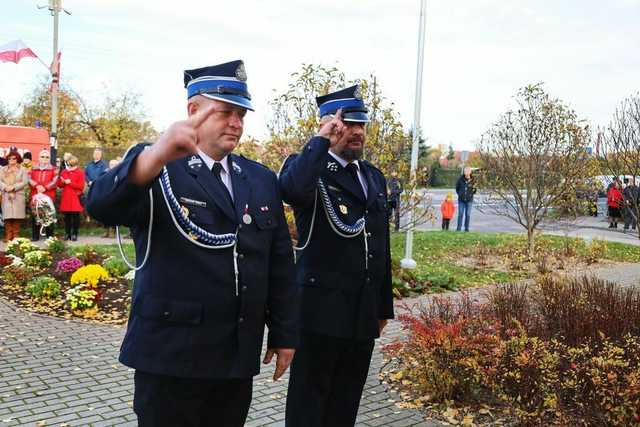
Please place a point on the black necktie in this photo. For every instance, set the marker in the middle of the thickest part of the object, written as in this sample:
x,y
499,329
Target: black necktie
x,y
217,168
352,168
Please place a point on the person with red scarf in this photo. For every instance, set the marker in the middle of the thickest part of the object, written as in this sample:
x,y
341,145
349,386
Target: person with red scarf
x,y
42,180
72,183
615,201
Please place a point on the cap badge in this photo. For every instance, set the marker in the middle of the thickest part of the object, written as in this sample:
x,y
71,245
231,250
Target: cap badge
x,y
357,93
241,74
343,209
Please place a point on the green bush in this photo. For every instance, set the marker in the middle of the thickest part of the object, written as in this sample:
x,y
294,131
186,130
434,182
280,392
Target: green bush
x,y
43,287
115,266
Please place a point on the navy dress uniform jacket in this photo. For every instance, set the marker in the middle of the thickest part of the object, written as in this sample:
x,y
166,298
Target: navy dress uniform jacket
x,y
186,319
339,296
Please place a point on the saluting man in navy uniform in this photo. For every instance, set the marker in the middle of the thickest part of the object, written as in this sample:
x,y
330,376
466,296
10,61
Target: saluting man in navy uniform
x,y
343,264
219,264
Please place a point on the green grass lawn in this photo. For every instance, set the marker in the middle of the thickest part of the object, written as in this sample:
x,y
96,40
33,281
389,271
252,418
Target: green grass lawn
x,y
436,251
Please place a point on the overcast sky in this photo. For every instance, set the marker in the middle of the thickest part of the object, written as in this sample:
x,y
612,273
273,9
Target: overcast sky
x,y
478,52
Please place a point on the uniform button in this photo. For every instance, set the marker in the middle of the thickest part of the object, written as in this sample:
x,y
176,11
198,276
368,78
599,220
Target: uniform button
x,y
370,255
166,314
368,234
239,226
241,319
368,280
244,288
268,222
241,256
312,280
366,212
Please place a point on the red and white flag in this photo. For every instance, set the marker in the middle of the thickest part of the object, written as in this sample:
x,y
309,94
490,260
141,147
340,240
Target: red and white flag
x,y
55,72
14,51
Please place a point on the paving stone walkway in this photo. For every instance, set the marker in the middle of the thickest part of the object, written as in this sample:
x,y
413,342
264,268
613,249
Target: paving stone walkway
x,y
57,372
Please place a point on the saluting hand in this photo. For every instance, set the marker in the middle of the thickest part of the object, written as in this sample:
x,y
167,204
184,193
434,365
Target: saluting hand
x,y
332,128
283,360
179,140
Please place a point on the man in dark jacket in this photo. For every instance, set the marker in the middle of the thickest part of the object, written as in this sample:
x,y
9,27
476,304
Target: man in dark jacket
x,y
630,194
395,190
465,189
344,271
95,168
220,264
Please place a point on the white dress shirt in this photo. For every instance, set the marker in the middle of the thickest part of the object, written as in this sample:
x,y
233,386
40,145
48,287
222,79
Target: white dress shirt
x,y
344,163
225,175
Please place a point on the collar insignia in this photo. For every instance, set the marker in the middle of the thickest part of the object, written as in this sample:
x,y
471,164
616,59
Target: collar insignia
x,y
237,168
194,162
332,166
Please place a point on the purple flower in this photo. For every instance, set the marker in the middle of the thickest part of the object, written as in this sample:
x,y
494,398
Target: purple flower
x,y
68,265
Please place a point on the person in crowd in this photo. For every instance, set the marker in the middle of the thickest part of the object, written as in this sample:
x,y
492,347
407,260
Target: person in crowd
x,y
343,269
13,180
72,182
62,165
219,267
395,190
43,179
95,168
27,161
465,189
615,203
447,209
631,195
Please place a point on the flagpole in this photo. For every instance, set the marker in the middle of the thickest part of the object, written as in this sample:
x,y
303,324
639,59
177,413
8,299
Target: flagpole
x,y
408,262
55,6
55,10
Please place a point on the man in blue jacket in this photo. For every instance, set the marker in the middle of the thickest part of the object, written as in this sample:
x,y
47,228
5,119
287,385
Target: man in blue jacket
x,y
343,266
219,265
95,168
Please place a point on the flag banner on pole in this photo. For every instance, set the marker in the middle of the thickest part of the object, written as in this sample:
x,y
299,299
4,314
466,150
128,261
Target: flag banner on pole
x,y
14,51
55,73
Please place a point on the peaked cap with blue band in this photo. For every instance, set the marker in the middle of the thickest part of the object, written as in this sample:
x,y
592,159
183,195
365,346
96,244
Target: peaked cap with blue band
x,y
224,82
349,99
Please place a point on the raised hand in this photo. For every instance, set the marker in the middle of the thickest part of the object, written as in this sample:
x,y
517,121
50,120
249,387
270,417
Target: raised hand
x,y
332,128
179,140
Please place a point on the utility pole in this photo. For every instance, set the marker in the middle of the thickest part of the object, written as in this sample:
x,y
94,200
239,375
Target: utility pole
x,y
408,261
55,7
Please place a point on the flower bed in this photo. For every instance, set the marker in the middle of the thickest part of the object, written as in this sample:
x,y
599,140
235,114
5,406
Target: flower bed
x,y
54,281
559,352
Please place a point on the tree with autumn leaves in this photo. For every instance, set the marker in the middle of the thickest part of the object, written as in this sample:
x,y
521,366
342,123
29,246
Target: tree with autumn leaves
x,y
535,161
118,122
294,120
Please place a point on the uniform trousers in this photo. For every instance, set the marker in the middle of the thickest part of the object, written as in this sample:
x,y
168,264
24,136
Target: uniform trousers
x,y
326,381
164,401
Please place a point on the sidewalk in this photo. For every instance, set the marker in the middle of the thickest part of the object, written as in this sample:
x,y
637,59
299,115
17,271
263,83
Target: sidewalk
x,y
65,373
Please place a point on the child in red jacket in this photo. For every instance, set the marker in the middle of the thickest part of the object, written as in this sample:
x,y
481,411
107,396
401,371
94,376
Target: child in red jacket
x,y
72,183
447,209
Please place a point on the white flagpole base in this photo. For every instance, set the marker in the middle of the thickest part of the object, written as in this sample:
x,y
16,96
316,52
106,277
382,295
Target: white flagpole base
x,y
408,263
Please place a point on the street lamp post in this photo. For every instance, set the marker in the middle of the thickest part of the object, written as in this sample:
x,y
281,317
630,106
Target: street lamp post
x,y
408,261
